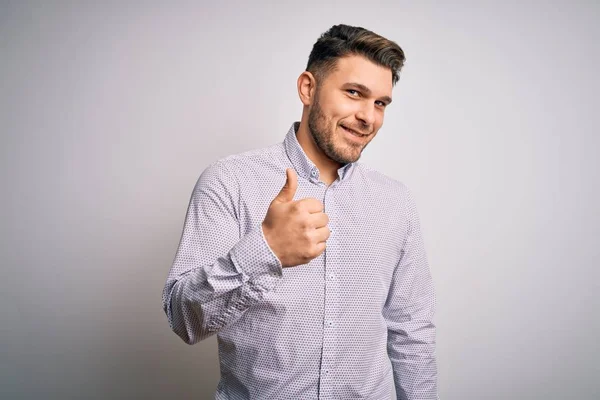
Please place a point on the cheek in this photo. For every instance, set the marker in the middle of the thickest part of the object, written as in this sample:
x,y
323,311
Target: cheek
x,y
342,107
378,121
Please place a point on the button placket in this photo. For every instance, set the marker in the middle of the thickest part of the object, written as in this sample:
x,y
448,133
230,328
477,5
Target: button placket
x,y
330,333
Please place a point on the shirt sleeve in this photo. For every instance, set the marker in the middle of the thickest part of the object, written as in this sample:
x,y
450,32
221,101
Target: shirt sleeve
x,y
409,311
217,273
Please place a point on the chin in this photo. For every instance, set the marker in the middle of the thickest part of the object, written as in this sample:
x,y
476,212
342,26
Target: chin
x,y
345,158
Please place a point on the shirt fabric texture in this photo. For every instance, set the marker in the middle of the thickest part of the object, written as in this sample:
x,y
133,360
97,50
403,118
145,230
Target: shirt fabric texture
x,y
353,323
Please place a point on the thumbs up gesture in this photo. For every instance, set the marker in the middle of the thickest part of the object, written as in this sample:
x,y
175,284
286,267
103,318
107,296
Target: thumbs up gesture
x,y
296,231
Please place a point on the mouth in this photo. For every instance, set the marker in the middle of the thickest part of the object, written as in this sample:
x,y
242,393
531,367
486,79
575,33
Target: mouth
x,y
353,132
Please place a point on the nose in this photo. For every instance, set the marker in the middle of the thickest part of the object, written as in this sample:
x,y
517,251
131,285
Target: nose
x,y
366,114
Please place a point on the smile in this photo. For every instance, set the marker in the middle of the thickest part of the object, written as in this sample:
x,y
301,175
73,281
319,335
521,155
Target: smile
x,y
354,133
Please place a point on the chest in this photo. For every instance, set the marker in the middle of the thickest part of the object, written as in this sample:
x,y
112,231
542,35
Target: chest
x,y
368,229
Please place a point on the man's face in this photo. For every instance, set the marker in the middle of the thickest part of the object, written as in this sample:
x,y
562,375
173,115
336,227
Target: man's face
x,y
348,107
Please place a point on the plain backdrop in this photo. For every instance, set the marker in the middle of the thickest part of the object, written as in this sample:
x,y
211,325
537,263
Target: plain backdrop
x,y
109,112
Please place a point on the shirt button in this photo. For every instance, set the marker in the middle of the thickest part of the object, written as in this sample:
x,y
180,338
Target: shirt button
x,y
331,276
330,323
313,172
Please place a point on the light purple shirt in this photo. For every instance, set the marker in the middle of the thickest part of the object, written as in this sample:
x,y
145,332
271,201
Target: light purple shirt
x,y
353,323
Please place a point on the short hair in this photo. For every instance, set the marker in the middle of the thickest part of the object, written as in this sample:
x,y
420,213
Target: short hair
x,y
344,40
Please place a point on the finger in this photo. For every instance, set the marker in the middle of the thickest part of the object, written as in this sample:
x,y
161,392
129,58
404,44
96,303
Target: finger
x,y
311,205
321,247
318,220
289,189
322,234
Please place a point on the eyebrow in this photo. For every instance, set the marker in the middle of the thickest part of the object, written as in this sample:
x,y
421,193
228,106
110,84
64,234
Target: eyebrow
x,y
367,91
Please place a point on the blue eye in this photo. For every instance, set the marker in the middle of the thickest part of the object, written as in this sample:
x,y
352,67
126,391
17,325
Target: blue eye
x,y
352,91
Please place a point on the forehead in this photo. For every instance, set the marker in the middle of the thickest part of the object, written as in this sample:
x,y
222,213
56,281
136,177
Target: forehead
x,y
358,69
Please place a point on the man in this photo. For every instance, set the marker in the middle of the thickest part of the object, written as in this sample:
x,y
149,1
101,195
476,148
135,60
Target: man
x,y
319,288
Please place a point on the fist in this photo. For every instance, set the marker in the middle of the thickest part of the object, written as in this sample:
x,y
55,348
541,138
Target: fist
x,y
296,231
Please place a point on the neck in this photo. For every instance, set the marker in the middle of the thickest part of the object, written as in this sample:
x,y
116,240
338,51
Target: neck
x,y
327,167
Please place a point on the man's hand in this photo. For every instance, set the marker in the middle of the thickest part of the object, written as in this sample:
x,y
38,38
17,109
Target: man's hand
x,y
296,231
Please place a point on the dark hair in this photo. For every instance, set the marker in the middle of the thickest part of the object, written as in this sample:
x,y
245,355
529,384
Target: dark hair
x,y
344,40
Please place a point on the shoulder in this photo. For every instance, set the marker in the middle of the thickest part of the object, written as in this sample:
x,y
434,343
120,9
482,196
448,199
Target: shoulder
x,y
251,162
231,165
231,174
254,156
380,181
391,191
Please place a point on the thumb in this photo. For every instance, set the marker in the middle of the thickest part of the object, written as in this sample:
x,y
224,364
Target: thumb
x,y
289,189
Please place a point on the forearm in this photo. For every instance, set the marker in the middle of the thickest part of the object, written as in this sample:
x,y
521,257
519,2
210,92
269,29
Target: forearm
x,y
409,311
412,353
204,299
412,334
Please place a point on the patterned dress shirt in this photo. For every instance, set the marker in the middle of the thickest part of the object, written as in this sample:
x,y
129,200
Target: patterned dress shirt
x,y
353,323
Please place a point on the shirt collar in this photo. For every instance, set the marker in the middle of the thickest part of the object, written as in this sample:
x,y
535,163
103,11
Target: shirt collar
x,y
302,164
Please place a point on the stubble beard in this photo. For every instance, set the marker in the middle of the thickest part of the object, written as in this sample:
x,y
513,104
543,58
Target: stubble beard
x,y
318,125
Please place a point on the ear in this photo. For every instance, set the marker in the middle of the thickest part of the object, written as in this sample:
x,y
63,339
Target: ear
x,y
307,86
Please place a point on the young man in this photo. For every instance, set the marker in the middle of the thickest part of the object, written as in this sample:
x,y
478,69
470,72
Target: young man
x,y
319,289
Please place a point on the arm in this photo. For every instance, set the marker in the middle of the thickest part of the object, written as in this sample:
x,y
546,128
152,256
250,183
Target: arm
x,y
217,274
409,312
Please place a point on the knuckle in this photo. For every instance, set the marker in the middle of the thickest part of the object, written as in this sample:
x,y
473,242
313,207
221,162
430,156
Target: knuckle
x,y
296,207
313,203
319,205
306,254
305,229
319,249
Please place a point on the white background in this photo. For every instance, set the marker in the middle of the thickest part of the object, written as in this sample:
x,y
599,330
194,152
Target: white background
x,y
110,112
